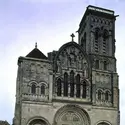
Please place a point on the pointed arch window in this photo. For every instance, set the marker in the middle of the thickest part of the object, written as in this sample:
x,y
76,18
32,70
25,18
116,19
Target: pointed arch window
x,y
99,95
84,90
78,85
43,89
65,84
59,87
105,37
33,89
72,84
83,42
97,40
105,65
107,96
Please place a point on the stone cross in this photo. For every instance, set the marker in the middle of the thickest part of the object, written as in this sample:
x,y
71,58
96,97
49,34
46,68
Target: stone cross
x,y
72,35
36,45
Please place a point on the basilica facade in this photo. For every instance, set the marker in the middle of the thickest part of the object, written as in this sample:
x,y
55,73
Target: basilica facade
x,y
75,85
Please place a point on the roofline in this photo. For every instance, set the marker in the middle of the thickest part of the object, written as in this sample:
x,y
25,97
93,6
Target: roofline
x,y
98,10
21,58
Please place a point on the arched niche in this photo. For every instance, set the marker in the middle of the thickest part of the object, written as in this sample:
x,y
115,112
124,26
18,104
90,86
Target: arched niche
x,y
38,121
103,123
71,115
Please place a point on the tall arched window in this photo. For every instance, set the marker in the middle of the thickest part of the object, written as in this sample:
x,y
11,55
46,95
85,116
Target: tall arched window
x,y
84,90
105,37
99,95
65,84
96,40
43,89
59,87
71,84
78,85
33,89
107,96
97,64
105,65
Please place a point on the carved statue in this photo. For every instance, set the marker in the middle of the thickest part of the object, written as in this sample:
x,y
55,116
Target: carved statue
x,y
80,61
59,69
72,60
85,68
64,58
72,57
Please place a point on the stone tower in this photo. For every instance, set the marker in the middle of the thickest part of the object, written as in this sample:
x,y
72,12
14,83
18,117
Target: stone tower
x,y
76,85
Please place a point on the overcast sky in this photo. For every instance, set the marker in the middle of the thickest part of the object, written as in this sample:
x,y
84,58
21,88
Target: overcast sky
x,y
49,23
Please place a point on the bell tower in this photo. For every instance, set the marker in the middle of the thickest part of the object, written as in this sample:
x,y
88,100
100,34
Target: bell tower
x,y
96,35
97,31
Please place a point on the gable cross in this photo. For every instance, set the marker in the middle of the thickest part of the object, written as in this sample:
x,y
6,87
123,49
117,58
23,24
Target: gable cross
x,y
72,35
36,45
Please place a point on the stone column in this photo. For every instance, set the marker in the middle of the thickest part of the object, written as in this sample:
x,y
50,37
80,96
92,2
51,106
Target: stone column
x,y
62,89
50,87
81,91
94,93
69,90
75,90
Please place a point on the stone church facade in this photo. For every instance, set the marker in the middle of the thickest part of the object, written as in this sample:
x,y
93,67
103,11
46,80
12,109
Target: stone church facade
x,y
76,85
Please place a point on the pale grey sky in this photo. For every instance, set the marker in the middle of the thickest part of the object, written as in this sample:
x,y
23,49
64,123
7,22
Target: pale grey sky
x,y
50,23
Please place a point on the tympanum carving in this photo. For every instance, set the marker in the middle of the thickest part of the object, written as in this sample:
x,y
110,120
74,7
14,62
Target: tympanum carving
x,y
71,57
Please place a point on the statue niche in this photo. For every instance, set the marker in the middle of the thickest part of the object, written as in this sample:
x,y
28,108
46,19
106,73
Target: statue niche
x,y
64,58
38,122
71,57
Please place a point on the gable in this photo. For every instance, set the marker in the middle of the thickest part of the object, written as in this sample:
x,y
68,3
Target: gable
x,y
71,56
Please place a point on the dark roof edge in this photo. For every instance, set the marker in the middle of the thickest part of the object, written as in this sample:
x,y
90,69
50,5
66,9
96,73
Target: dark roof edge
x,y
100,8
21,58
88,10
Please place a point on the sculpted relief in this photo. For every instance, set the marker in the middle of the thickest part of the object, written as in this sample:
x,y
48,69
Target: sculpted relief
x,y
71,57
70,115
